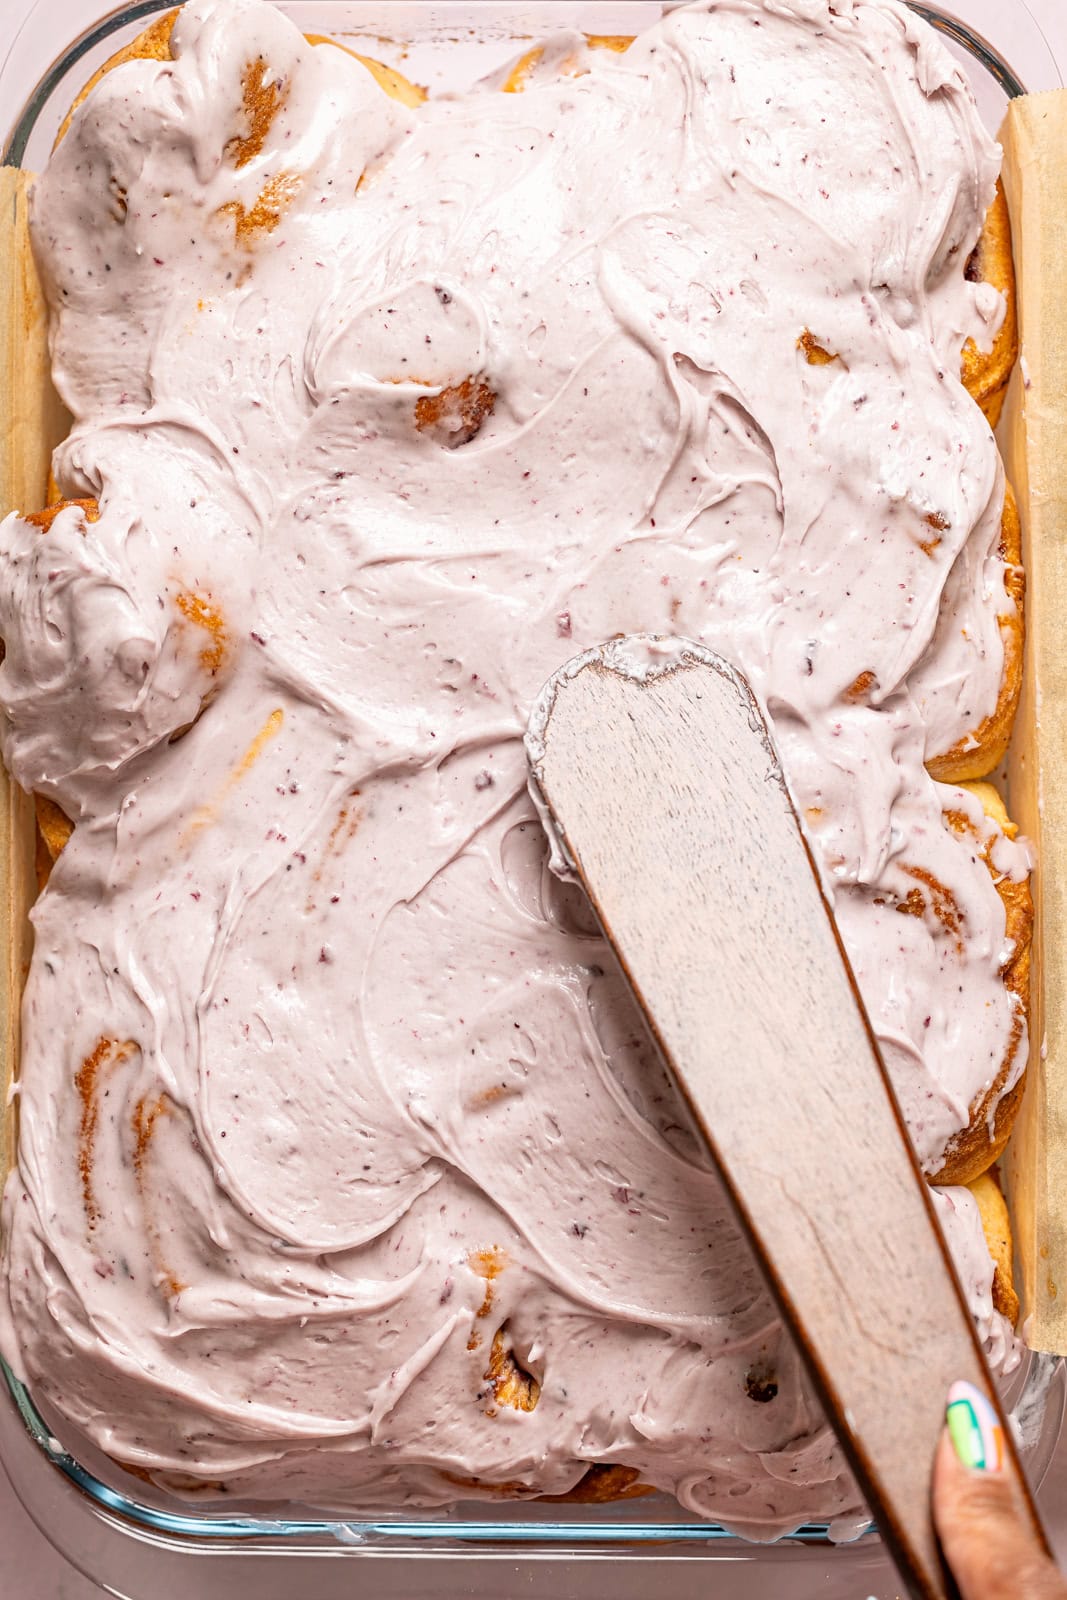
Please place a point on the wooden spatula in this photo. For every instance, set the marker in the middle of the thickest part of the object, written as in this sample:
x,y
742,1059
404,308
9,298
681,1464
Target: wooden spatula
x,y
660,786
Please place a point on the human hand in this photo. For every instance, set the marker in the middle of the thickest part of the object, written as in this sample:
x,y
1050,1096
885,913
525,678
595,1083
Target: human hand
x,y
985,1534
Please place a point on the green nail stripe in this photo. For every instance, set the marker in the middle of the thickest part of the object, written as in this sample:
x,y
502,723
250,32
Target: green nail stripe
x,y
966,1434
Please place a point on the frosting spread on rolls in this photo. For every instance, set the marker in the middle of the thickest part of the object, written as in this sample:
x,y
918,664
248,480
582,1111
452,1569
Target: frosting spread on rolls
x,y
332,1099
957,1212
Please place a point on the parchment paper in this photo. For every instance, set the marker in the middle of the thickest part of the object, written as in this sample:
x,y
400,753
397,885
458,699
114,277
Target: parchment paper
x,y
35,422
1033,438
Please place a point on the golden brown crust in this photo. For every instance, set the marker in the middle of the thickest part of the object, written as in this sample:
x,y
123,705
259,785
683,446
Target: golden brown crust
x,y
601,1484
53,825
43,520
396,86
618,42
518,77
974,1150
996,1225
508,1383
265,212
985,377
597,1486
814,352
262,97
983,749
456,414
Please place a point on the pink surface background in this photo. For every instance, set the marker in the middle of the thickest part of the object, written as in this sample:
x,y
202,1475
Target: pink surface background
x,y
31,1570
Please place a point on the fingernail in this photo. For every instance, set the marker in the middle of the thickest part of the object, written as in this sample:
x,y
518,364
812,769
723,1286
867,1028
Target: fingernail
x,y
974,1428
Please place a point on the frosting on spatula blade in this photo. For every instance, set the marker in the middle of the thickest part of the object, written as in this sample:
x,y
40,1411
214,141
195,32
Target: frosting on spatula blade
x,y
658,781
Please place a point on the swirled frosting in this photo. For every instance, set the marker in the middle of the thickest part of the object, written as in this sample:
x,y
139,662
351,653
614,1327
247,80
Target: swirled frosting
x,y
329,1088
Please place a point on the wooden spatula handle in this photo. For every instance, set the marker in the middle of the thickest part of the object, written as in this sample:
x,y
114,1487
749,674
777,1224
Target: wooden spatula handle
x,y
669,803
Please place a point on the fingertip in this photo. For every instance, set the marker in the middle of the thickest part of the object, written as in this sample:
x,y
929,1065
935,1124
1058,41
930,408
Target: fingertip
x,y
950,1481
974,1428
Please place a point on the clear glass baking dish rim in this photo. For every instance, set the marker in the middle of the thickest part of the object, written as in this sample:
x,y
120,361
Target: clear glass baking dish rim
x,y
1038,1408
961,33
1043,1389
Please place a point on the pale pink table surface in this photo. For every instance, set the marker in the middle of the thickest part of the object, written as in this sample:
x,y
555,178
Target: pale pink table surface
x,y
29,1567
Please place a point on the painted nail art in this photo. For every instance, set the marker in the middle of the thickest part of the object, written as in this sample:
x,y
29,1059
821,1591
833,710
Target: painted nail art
x,y
974,1429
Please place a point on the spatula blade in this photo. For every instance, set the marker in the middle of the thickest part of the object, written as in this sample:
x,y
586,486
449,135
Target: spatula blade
x,y
660,785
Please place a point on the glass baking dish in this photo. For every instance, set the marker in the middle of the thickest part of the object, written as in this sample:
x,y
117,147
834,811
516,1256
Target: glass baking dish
x,y
139,1543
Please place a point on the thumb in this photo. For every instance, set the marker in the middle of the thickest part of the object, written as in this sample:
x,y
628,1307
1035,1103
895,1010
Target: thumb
x,y
985,1532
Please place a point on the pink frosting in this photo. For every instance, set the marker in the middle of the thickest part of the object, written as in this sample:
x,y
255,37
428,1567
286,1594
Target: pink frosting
x,y
314,1043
